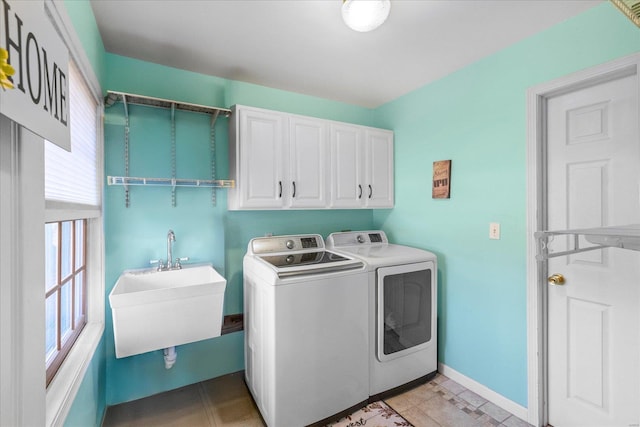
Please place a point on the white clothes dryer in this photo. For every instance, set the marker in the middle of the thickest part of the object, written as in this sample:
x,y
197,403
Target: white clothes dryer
x,y
402,309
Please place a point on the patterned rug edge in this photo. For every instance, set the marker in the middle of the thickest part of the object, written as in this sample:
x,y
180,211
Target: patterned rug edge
x,y
376,414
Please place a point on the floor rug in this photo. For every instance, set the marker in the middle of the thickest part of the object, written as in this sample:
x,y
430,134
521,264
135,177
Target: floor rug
x,y
376,414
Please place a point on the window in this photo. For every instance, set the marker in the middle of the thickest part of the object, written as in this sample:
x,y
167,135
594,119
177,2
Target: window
x,y
66,267
71,177
72,194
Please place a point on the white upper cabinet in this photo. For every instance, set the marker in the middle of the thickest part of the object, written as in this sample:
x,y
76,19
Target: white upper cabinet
x,y
285,161
308,151
258,162
378,168
361,167
347,166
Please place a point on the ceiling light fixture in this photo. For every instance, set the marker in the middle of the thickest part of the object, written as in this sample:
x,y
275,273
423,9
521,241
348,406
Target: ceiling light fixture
x,y
365,15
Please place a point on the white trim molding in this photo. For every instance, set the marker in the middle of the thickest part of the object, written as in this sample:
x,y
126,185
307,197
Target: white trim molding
x,y
24,400
22,305
62,391
537,97
483,391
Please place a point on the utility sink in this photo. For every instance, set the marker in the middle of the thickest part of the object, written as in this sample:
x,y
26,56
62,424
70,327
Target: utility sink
x,y
154,310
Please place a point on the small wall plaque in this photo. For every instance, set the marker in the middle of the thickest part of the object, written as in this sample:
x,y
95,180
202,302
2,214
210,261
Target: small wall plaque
x,y
441,179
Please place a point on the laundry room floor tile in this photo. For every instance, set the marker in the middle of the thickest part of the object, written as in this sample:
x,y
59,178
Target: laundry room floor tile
x,y
177,407
226,402
445,403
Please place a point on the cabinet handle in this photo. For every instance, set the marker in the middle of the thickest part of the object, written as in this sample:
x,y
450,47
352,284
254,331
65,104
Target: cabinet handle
x,y
370,191
280,185
294,189
360,194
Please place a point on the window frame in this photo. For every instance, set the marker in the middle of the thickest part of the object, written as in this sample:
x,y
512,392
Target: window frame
x,y
64,340
62,390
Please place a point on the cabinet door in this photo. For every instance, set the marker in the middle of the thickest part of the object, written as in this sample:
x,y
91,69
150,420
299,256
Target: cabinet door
x,y
379,168
308,148
347,173
262,144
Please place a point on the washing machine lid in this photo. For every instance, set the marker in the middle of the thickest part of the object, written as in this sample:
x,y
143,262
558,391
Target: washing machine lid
x,y
298,255
303,258
373,247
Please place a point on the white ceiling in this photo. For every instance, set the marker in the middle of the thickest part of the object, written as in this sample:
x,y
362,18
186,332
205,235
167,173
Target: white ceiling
x,y
303,46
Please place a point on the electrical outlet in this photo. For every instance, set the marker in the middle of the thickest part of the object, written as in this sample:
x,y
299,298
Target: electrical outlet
x,y
494,231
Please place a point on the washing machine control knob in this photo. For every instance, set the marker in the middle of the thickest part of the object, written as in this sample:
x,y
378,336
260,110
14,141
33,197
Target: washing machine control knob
x,y
360,238
290,244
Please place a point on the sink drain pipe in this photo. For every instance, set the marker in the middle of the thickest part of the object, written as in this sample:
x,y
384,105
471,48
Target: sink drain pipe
x,y
170,357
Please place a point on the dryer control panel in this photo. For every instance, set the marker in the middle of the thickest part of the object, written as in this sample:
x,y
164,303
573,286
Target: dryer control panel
x,y
356,238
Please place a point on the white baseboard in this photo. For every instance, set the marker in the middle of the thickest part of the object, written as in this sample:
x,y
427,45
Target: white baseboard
x,y
483,391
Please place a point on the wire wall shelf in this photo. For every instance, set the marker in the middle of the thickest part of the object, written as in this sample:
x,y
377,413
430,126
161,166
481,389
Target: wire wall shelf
x,y
126,99
129,98
170,182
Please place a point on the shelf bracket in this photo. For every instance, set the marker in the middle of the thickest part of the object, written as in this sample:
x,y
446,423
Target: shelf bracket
x,y
126,149
212,153
214,117
173,154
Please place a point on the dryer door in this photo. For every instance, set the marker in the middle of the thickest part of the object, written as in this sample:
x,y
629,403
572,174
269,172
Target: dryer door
x,y
405,318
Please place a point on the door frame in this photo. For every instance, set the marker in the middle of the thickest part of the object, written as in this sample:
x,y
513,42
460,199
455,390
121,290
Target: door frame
x,y
537,97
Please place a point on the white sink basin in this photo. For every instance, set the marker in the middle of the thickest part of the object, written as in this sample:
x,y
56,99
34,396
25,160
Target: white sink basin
x,y
153,309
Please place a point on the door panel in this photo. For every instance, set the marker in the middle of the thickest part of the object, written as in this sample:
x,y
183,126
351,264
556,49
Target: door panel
x,y
588,352
308,146
593,173
262,135
379,163
587,187
346,166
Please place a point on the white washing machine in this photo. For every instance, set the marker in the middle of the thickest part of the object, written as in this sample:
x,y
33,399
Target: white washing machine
x,y
306,330
402,309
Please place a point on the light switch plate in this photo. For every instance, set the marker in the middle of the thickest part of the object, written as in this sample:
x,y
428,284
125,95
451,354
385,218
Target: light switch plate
x,y
494,231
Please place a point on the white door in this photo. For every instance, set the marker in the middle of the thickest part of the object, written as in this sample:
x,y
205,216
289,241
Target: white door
x,y
308,163
593,178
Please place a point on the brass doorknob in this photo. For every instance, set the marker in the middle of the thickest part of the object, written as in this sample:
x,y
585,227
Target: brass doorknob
x,y
556,279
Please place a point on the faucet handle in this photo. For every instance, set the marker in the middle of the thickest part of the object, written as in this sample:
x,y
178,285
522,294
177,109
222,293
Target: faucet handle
x,y
178,264
159,262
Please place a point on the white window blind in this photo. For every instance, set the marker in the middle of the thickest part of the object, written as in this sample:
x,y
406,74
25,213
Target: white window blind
x,y
72,176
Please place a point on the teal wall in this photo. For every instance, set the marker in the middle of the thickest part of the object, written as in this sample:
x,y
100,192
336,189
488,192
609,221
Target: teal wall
x,y
477,118
86,27
88,407
204,232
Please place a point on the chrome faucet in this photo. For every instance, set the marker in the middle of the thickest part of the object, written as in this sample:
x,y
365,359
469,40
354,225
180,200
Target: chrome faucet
x,y
171,237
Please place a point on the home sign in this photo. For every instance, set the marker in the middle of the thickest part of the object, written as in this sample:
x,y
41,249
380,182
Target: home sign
x,y
39,59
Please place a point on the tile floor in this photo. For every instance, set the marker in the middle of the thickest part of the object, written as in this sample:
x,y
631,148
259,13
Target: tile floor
x,y
225,401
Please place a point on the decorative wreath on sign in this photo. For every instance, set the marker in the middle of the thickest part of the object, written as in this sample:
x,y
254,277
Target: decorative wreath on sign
x,y
6,70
